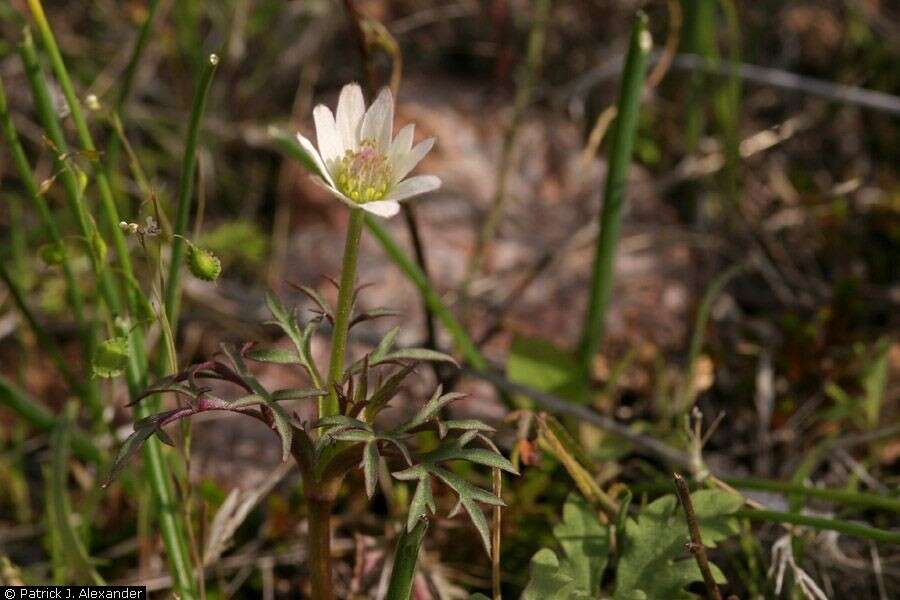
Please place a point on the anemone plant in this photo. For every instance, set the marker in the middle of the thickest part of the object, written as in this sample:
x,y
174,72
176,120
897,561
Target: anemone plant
x,y
359,164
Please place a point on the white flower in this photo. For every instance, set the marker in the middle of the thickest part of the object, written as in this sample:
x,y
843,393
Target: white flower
x,y
357,160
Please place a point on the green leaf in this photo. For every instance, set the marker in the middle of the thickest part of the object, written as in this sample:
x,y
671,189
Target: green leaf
x,y
370,467
537,363
111,357
431,408
652,561
279,356
479,456
586,544
417,354
386,392
386,343
551,580
296,394
422,502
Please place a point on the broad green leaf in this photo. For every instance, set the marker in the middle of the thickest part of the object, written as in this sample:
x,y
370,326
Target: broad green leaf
x,y
537,363
652,560
551,580
585,542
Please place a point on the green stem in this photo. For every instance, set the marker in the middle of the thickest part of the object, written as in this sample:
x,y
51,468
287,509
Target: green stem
x,y
858,499
73,293
821,523
186,187
329,405
405,557
127,84
461,340
44,340
156,462
41,418
622,144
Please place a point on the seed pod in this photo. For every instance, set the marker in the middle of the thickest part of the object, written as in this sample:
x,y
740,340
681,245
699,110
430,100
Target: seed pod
x,y
204,264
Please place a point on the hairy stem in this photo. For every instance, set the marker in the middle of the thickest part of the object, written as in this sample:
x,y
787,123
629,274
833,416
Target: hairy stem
x,y
319,547
328,405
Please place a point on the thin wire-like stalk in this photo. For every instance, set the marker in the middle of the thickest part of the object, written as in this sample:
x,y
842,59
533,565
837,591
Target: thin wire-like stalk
x,y
329,405
524,92
622,144
405,557
186,187
461,340
848,498
127,83
156,462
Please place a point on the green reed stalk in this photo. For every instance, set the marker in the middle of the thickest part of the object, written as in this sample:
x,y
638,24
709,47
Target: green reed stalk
x,y
405,557
622,144
848,498
108,208
461,340
40,417
43,339
73,293
329,405
185,191
821,523
156,462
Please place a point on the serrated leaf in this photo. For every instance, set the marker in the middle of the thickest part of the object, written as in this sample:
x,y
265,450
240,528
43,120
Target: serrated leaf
x,y
586,545
585,542
651,560
370,467
550,580
280,356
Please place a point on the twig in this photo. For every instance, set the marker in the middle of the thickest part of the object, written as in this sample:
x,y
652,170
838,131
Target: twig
x,y
497,480
696,544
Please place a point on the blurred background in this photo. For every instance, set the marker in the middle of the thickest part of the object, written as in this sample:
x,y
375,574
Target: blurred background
x,y
769,137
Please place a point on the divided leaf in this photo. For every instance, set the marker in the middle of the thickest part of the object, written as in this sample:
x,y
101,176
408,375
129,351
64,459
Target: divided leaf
x,y
651,561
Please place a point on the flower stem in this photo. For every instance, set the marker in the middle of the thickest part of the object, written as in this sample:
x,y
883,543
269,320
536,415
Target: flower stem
x,y
319,547
328,405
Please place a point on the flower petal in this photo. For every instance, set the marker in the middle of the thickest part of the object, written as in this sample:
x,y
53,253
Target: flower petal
x,y
409,161
350,109
378,122
401,145
414,186
382,208
316,159
334,192
330,145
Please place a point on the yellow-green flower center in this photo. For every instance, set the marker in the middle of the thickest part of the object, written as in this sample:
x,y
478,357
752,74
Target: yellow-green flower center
x,y
363,175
